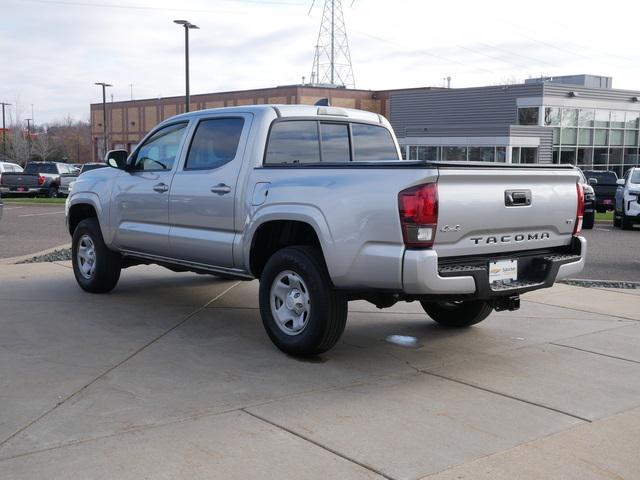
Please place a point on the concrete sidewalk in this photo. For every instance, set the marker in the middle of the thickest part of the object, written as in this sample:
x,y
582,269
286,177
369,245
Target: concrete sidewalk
x,y
172,376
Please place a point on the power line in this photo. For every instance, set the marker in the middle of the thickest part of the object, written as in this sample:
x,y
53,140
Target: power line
x,y
162,9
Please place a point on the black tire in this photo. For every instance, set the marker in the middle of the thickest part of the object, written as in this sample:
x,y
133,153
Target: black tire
x,y
52,192
327,311
108,264
588,221
616,220
458,314
627,223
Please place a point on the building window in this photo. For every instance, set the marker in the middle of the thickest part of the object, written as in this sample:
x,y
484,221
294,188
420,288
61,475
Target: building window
x,y
481,154
501,154
586,118
529,155
569,117
528,116
552,116
454,153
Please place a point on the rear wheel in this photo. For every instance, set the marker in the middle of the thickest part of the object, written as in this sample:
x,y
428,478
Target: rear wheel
x,y
96,268
588,220
301,311
52,192
458,314
616,219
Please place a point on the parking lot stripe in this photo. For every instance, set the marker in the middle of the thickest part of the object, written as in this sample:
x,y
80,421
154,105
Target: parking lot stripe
x,y
40,214
112,368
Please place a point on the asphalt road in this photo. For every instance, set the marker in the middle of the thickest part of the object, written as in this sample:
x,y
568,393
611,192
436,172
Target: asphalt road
x,y
613,254
26,229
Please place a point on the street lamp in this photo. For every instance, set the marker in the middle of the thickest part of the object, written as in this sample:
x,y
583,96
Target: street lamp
x,y
104,111
29,120
187,26
4,130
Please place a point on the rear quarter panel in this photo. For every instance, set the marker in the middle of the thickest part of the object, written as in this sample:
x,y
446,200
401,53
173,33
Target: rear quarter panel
x,y
354,212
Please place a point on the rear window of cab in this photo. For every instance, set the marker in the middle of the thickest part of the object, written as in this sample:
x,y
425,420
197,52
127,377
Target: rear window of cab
x,y
312,141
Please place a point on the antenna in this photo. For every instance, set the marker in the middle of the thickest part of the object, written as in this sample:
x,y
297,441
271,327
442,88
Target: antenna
x,y
332,59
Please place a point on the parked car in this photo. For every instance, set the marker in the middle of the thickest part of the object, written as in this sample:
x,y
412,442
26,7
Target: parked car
x,y
38,178
8,167
627,211
1,206
589,203
317,204
604,185
67,179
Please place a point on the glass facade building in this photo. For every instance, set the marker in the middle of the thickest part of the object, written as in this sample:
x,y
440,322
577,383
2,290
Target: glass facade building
x,y
579,120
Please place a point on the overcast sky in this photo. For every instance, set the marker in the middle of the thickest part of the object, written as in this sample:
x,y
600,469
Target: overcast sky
x,y
51,52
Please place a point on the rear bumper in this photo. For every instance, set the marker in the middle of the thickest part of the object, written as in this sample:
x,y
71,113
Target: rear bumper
x,y
27,190
425,274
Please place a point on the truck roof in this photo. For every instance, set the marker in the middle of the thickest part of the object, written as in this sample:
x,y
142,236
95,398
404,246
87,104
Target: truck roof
x,y
291,111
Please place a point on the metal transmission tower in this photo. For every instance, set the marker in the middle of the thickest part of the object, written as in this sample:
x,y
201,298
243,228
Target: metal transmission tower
x,y
332,60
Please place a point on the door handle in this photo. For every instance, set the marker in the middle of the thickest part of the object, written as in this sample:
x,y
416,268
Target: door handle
x,y
161,187
221,189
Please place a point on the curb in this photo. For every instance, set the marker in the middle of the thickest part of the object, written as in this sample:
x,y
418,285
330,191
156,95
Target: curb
x,y
14,260
580,282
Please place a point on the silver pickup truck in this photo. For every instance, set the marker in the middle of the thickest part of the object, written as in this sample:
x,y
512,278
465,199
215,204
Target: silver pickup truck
x,y
317,204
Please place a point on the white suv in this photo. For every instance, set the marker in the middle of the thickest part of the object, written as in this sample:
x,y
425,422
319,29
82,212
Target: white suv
x,y
627,210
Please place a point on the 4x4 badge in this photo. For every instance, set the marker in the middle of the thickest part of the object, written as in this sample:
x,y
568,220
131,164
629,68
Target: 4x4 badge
x,y
449,228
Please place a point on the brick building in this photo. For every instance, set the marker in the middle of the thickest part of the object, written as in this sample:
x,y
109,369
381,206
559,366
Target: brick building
x,y
129,121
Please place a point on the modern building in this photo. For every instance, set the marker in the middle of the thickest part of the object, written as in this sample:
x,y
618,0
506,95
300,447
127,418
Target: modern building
x,y
548,120
576,119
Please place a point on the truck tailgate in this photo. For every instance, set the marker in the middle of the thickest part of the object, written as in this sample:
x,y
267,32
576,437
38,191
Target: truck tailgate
x,y
19,179
499,210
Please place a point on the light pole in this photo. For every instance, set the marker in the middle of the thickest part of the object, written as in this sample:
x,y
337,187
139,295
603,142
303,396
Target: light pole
x,y
4,130
29,120
104,112
187,26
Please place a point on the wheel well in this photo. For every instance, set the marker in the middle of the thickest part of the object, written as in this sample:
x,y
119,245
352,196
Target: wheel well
x,y
275,235
79,212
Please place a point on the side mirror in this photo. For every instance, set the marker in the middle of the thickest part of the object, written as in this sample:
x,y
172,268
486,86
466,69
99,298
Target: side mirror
x,y
117,159
620,182
593,181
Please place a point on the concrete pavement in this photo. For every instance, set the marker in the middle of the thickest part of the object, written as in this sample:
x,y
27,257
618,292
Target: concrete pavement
x,y
172,376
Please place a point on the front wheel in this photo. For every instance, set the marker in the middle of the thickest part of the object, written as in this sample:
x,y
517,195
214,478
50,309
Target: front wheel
x,y
52,192
96,268
302,312
458,314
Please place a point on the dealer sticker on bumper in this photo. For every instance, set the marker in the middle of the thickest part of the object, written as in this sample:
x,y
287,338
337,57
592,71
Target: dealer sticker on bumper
x,y
503,271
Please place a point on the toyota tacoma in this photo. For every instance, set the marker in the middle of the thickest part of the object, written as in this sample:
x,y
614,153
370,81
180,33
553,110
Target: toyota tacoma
x,y
316,203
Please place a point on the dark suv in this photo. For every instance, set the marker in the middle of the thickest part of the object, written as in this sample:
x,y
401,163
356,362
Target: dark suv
x,y
604,184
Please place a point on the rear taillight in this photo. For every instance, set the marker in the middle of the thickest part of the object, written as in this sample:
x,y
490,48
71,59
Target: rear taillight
x,y
40,180
577,228
419,215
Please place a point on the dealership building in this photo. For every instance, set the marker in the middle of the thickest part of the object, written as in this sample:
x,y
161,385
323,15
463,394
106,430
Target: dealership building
x,y
576,119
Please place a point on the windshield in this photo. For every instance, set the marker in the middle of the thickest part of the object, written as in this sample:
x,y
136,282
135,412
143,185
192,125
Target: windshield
x,y
40,168
635,177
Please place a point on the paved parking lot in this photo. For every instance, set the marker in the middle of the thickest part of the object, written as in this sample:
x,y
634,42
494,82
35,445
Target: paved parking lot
x,y
613,254
172,376
26,229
